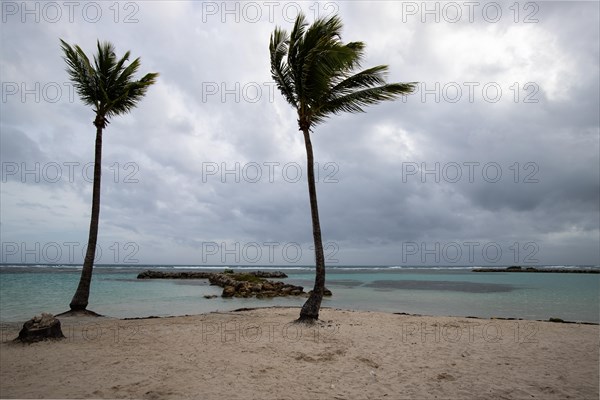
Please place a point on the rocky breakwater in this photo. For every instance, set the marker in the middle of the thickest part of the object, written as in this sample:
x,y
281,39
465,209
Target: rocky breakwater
x,y
236,284
251,285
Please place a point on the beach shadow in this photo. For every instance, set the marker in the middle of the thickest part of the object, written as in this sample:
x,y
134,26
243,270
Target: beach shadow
x,y
79,313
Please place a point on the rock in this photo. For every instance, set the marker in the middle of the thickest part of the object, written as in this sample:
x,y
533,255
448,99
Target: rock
x,y
256,287
267,294
286,290
241,286
514,268
556,320
228,291
236,284
326,292
39,328
210,296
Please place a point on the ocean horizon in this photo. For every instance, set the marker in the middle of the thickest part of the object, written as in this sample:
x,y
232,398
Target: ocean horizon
x,y
29,289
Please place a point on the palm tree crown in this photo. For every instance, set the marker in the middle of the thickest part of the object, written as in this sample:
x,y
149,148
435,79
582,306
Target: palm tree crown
x,y
318,77
107,85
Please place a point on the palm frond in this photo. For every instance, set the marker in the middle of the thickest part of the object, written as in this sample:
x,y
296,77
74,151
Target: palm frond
x,y
81,73
354,101
321,38
280,71
296,38
374,76
319,79
107,84
131,94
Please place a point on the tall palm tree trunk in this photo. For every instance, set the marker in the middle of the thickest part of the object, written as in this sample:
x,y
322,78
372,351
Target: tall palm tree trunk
x,y
80,299
310,309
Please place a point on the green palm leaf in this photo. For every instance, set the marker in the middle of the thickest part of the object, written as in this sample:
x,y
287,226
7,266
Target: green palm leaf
x,y
107,84
318,78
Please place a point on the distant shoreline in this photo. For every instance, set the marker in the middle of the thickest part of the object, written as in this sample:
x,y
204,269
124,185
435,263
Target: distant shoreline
x,y
532,269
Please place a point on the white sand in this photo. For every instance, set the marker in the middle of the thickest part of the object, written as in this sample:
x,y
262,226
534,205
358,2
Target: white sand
x,y
259,354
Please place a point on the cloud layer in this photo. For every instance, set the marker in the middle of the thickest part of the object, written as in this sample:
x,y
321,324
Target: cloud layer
x,y
494,160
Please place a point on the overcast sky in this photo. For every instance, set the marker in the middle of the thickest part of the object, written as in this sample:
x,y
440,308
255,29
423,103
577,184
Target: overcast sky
x,y
495,160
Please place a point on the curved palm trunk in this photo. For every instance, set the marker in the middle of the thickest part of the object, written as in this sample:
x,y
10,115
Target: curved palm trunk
x,y
310,309
80,299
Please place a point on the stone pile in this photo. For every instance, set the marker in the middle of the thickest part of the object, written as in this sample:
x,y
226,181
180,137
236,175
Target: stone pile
x,y
247,285
236,284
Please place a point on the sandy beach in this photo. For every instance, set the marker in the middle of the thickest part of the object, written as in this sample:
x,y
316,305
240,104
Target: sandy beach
x,y
262,354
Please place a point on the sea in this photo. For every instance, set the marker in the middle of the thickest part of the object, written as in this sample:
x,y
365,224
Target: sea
x,y
27,290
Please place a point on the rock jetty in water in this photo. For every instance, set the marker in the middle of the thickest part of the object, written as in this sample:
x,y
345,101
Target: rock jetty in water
x,y
236,284
249,285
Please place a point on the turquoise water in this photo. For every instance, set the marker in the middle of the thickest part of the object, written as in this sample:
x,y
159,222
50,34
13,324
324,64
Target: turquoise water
x,y
531,295
26,291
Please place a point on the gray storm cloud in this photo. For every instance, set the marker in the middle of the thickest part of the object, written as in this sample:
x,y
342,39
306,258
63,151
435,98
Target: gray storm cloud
x,y
211,154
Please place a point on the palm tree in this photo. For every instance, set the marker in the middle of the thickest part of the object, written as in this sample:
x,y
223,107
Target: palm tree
x,y
318,79
109,87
